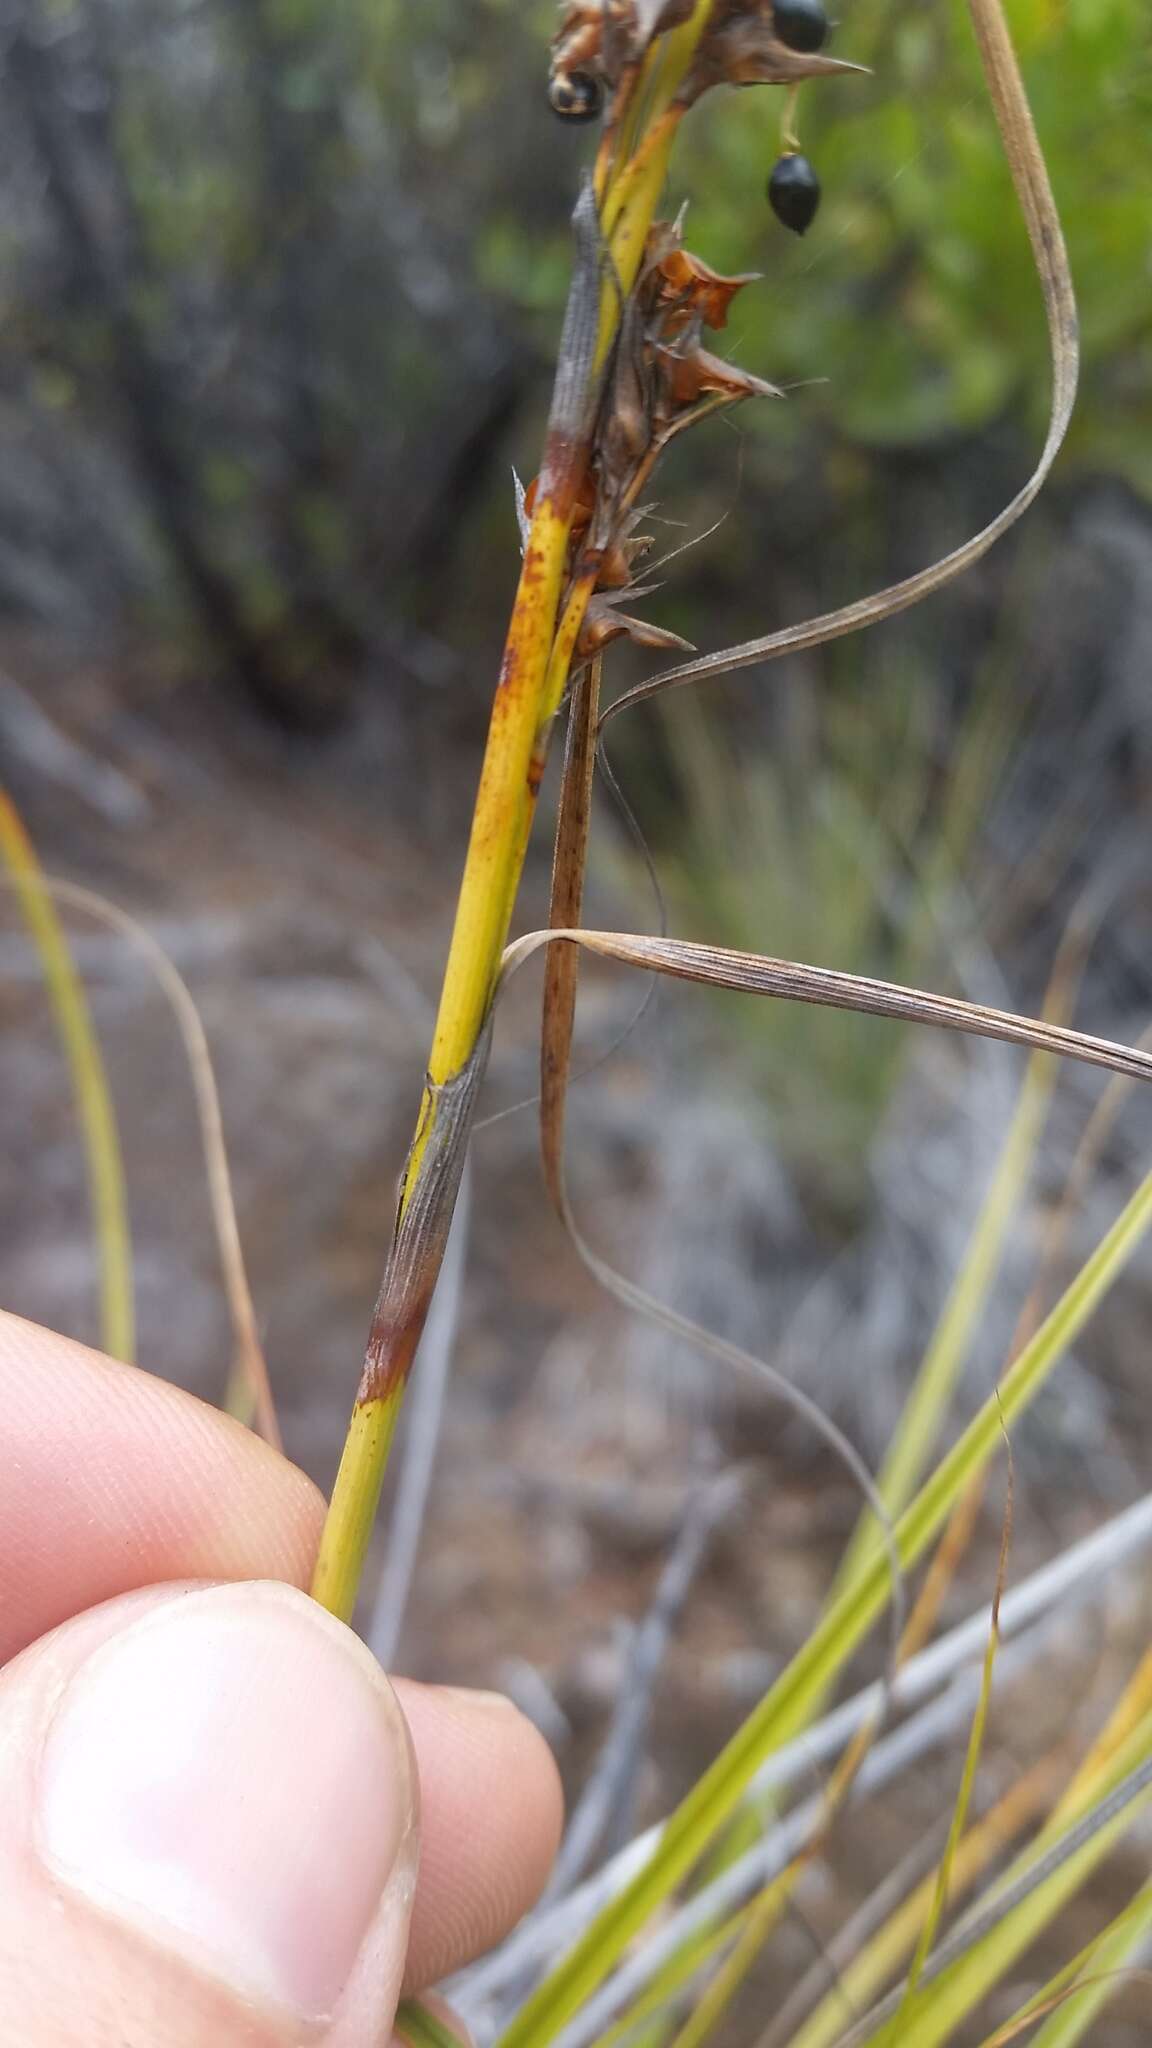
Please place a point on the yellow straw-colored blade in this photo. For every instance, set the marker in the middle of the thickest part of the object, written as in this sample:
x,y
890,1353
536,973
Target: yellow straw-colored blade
x,y
93,1098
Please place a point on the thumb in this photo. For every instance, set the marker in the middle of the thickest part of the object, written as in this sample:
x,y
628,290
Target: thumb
x,y
207,1828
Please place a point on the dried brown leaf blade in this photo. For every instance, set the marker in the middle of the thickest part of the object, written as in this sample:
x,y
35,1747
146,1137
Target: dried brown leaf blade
x,y
559,1002
946,1874
757,974
250,1369
562,964
424,1219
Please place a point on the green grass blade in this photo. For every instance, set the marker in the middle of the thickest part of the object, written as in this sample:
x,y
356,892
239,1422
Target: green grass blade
x,y
862,1980
421,2028
783,1711
925,1410
249,1366
938,2008
760,1920
1102,1964
968,1776
690,1958
97,1117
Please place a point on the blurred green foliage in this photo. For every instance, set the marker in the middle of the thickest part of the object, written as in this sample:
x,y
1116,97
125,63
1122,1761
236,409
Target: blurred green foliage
x,y
850,842
298,266
912,302
915,296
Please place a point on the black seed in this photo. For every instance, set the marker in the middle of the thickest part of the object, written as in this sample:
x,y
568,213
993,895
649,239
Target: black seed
x,y
800,24
575,96
794,192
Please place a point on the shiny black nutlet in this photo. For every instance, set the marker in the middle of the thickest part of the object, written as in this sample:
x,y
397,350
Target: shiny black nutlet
x,y
800,24
794,192
575,96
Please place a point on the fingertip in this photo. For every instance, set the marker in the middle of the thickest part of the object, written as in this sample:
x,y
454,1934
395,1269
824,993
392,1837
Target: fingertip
x,y
115,1480
492,1813
210,1826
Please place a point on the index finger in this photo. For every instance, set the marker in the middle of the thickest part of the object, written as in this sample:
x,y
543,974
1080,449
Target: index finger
x,y
111,1480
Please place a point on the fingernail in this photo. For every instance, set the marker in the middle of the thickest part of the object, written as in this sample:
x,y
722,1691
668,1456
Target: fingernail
x,y
231,1775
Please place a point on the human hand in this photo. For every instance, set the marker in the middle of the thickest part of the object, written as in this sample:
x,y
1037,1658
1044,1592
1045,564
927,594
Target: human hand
x,y
208,1789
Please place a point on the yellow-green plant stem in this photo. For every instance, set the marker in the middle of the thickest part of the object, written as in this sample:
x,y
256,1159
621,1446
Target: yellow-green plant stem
x,y
526,698
355,1499
629,209
97,1117
555,681
496,847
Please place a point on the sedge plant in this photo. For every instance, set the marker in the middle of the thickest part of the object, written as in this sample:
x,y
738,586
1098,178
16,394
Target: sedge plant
x,y
633,374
